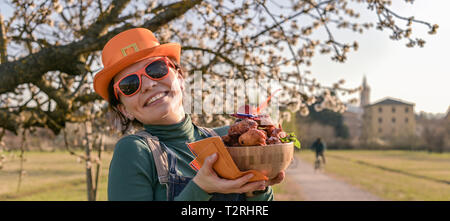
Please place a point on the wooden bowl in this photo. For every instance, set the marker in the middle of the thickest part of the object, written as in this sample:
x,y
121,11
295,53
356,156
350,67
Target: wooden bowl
x,y
270,159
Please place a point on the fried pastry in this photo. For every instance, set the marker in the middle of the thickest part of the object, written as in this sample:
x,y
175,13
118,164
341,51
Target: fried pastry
x,y
273,140
242,126
253,137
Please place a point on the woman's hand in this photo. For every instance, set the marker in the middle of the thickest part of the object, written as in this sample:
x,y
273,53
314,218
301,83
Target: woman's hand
x,y
271,182
277,179
208,180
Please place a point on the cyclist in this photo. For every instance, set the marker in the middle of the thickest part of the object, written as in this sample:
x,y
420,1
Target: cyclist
x,y
319,146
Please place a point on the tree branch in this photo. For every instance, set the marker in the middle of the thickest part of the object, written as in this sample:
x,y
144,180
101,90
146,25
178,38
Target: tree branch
x,y
226,59
3,42
33,66
294,56
57,95
104,21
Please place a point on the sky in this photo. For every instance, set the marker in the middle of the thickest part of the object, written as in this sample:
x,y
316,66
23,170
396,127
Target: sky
x,y
416,75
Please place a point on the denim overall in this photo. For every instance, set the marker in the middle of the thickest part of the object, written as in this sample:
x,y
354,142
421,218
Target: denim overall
x,y
176,182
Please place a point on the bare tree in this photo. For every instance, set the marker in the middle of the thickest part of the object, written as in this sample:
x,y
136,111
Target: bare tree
x,y
50,49
22,171
92,133
434,134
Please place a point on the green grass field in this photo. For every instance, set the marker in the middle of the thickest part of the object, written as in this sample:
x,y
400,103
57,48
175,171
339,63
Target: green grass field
x,y
58,176
391,175
54,176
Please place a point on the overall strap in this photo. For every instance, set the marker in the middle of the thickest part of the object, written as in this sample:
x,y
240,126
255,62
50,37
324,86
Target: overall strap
x,y
159,155
208,131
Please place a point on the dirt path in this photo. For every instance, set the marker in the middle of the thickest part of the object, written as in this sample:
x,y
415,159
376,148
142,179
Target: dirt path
x,y
317,186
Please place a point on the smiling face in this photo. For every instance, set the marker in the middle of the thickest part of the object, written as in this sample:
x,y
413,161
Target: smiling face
x,y
157,102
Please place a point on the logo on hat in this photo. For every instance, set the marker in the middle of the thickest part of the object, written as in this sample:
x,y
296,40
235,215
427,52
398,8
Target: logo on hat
x,y
124,53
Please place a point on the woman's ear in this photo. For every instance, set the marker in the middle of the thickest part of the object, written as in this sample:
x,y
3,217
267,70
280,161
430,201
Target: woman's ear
x,y
124,111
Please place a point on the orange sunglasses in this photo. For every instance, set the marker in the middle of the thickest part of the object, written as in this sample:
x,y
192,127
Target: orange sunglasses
x,y
156,70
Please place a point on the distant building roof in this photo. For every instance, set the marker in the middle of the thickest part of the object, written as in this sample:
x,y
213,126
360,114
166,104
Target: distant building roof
x,y
391,101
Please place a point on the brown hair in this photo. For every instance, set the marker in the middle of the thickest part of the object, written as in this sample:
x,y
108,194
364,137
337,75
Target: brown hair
x,y
118,120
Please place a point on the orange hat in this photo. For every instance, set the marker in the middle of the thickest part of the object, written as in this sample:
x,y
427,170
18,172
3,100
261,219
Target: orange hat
x,y
126,48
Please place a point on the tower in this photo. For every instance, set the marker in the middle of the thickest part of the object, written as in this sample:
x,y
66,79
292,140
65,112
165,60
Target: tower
x,y
365,93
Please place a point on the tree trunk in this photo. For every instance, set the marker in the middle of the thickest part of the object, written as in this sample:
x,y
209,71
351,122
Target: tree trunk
x,y
99,163
22,159
88,149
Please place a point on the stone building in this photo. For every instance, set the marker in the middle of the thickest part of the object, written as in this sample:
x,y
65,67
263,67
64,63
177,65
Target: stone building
x,y
389,119
381,121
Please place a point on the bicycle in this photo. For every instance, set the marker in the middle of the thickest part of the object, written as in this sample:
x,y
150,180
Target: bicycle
x,y
318,165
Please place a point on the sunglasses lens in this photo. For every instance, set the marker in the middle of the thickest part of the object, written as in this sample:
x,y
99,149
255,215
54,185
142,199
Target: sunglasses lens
x,y
129,85
157,69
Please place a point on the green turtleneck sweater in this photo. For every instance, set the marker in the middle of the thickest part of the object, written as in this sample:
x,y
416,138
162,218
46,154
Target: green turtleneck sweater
x,y
132,172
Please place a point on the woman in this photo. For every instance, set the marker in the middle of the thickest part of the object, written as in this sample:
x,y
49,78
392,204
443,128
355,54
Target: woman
x,y
143,83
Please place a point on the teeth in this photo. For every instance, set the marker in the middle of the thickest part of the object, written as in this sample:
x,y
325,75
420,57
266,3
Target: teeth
x,y
156,97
